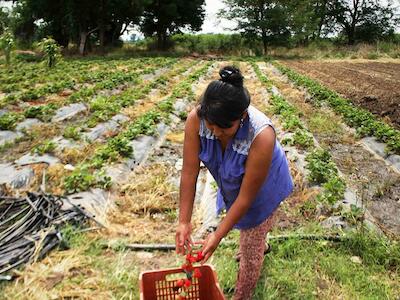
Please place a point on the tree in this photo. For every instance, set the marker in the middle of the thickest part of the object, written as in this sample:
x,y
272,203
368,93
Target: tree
x,y
4,19
263,19
75,20
163,18
307,19
352,15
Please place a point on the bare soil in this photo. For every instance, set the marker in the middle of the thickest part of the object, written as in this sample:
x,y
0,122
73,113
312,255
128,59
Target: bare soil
x,y
372,85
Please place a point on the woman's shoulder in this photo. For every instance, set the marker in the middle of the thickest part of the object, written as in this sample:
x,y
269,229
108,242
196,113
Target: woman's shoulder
x,y
193,121
257,115
258,120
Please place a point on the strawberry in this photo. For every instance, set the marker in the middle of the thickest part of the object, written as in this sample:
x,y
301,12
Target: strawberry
x,y
188,283
180,283
197,273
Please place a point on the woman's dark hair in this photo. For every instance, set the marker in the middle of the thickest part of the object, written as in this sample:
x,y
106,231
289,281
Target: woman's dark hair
x,y
225,100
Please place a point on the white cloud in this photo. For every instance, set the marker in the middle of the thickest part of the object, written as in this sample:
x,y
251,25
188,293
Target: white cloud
x,y
213,24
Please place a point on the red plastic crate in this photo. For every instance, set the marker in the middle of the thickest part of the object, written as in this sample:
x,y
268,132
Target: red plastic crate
x,y
154,285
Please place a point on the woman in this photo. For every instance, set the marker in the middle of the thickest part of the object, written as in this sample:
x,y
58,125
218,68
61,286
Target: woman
x,y
237,143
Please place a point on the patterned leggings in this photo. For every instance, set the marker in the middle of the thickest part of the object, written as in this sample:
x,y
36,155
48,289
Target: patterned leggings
x,y
252,246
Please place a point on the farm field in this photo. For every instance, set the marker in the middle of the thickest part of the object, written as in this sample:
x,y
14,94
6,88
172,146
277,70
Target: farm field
x,y
108,134
372,85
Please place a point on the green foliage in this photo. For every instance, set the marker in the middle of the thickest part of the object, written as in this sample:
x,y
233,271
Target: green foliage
x,y
28,57
8,121
52,51
42,112
354,215
267,21
72,132
321,166
374,249
80,180
366,20
304,269
301,138
7,43
224,44
83,178
45,147
333,190
162,18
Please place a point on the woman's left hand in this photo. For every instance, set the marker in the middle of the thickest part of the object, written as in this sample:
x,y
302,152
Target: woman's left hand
x,y
209,245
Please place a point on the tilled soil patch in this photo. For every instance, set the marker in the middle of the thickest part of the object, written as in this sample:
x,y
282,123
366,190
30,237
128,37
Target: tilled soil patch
x,y
371,85
377,185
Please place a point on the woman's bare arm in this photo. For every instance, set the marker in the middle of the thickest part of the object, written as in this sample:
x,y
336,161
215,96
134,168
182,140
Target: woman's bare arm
x,y
190,172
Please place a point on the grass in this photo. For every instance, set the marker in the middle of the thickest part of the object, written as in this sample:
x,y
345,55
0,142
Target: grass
x,y
300,269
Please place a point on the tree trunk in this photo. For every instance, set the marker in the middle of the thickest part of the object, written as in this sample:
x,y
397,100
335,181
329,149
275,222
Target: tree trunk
x,y
82,43
265,41
350,35
102,31
322,18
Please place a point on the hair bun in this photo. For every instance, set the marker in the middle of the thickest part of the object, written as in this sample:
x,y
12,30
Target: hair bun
x,y
232,75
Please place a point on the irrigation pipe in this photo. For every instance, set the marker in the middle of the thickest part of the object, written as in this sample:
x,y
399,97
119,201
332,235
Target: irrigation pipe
x,y
279,238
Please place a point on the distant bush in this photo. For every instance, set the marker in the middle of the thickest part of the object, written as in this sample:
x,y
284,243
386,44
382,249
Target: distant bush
x,y
220,44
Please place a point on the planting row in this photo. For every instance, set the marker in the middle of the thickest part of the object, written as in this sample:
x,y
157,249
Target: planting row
x,y
91,173
89,127
369,179
23,79
46,112
364,121
101,80
322,169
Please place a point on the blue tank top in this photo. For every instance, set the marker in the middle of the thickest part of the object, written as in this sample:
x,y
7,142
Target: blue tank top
x,y
228,169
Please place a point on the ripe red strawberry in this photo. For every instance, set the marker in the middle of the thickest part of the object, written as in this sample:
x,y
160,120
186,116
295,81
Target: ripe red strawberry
x,y
188,283
180,283
196,273
199,256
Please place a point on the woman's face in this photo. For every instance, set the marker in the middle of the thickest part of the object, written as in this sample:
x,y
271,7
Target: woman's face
x,y
223,133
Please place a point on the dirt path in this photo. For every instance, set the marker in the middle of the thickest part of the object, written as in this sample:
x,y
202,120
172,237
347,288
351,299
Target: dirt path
x,y
376,184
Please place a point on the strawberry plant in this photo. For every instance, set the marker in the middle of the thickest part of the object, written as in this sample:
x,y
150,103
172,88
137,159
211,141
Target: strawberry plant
x,y
45,147
72,132
42,112
8,121
321,166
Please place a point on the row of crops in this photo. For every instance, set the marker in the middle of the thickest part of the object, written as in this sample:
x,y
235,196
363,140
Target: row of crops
x,y
115,129
101,121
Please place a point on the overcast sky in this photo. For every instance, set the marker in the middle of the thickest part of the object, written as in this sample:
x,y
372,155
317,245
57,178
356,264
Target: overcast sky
x,y
211,22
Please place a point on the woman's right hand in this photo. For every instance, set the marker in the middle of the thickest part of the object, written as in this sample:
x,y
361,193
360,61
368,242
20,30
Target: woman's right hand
x,y
183,239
